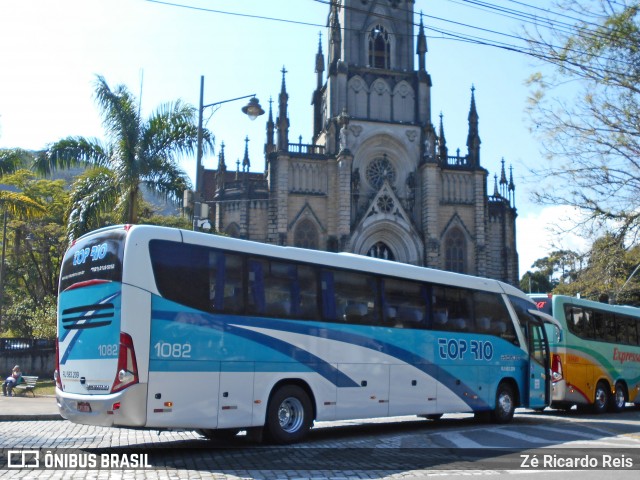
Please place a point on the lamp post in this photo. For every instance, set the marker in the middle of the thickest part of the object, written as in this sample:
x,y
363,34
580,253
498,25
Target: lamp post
x,y
253,110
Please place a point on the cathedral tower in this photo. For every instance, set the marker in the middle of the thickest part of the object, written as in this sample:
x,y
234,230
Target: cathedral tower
x,y
377,179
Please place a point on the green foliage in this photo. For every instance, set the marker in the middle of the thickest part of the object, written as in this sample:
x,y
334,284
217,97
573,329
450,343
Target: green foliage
x,y
35,244
608,269
42,320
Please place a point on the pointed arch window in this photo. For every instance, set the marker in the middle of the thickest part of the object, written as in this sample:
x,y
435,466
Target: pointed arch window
x,y
379,48
381,250
306,235
455,251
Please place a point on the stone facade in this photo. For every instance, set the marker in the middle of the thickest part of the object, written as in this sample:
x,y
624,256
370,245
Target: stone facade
x,y
378,178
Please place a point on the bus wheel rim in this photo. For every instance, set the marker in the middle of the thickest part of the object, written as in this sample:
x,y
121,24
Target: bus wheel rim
x,y
291,415
505,403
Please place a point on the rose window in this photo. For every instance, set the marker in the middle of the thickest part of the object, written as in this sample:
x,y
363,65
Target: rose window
x,y
379,170
385,204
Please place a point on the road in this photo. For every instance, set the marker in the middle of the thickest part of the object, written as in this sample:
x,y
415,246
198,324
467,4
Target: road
x,y
403,447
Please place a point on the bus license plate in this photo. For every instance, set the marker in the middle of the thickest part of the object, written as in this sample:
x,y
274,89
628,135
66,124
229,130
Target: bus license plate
x,y
84,407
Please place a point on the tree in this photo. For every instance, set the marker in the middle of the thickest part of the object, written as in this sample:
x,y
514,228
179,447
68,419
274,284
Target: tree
x,y
609,267
22,206
608,270
560,267
138,152
587,113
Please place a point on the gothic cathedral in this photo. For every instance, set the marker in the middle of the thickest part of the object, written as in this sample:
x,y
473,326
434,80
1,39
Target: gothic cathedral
x,y
377,178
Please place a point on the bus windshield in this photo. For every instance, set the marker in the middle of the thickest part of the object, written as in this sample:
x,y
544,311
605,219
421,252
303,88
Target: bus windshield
x,y
98,257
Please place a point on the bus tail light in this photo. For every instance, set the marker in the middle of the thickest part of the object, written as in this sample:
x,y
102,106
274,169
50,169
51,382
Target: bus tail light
x,y
56,372
556,368
127,371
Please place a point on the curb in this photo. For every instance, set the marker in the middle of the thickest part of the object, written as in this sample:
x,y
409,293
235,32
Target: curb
x,y
31,418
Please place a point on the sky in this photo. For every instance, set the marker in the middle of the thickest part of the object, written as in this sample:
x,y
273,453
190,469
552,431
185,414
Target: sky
x,y
51,52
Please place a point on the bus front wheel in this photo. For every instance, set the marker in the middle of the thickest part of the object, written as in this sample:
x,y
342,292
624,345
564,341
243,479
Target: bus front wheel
x,y
289,415
505,404
601,398
619,398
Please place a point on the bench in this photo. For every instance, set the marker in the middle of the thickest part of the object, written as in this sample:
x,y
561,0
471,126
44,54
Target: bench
x,y
28,384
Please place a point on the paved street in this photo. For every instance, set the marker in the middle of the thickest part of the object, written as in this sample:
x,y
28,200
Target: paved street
x,y
405,448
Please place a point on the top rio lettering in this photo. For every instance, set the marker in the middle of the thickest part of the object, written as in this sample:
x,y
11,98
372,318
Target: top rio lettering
x,y
97,252
458,348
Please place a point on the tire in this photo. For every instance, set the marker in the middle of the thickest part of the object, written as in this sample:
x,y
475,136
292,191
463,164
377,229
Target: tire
x,y
505,404
601,398
289,415
619,398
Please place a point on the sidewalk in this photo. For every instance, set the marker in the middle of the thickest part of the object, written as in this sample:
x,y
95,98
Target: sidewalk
x,y
27,407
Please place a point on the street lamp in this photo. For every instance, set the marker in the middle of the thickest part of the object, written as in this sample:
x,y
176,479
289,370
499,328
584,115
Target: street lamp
x,y
253,110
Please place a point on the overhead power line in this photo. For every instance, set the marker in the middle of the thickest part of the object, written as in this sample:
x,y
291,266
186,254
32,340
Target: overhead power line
x,y
510,42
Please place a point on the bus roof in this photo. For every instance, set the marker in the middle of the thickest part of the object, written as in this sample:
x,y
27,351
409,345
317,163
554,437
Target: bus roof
x,y
344,260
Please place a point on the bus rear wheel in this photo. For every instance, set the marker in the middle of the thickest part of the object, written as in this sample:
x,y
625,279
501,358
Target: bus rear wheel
x,y
505,404
601,398
619,398
289,415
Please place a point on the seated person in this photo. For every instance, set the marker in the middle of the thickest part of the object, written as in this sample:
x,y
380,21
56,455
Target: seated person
x,y
11,381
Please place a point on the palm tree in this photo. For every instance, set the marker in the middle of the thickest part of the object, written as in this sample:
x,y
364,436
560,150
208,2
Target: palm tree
x,y
138,152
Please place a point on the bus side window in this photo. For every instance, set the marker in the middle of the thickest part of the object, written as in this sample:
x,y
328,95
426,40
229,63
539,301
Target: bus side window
x,y
404,303
599,325
609,327
305,295
256,301
627,332
492,316
355,297
579,321
181,273
452,309
232,284
329,311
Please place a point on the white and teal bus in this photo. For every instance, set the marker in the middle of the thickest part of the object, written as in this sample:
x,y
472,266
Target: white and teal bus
x,y
166,328
596,361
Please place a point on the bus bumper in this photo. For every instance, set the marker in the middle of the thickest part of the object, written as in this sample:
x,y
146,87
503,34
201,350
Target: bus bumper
x,y
126,408
558,391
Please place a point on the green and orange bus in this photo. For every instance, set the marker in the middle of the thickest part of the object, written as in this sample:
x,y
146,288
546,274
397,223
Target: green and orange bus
x,y
595,360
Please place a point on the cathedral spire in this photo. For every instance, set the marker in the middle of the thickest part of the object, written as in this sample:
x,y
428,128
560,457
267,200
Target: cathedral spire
x,y
317,94
270,145
319,62
422,47
503,181
512,188
283,120
442,143
473,139
335,39
246,163
222,166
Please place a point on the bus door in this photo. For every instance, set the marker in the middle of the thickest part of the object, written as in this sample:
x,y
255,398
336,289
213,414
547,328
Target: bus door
x,y
539,378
